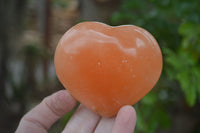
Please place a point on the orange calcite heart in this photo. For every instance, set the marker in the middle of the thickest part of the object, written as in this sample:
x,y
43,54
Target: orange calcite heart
x,y
106,67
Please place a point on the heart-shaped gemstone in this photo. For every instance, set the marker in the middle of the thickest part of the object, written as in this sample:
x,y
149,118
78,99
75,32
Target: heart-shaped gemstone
x,y
106,67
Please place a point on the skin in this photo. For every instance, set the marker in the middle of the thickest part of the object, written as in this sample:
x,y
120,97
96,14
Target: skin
x,y
53,107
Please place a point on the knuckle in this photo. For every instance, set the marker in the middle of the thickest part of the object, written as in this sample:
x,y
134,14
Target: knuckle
x,y
53,105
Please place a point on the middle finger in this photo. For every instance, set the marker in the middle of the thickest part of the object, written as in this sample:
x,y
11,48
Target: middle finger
x,y
82,121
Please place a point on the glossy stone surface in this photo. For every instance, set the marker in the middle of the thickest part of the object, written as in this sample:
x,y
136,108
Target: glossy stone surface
x,y
107,67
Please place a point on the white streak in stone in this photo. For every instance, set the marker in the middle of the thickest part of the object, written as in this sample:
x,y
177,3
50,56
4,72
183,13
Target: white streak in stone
x,y
80,38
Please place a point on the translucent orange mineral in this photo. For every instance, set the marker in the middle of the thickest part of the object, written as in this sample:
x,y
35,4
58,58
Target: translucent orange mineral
x,y
106,67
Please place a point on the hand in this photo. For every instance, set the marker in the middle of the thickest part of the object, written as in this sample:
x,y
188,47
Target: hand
x,y
53,107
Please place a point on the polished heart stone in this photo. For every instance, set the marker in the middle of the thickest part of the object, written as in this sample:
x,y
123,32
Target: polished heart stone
x,y
106,67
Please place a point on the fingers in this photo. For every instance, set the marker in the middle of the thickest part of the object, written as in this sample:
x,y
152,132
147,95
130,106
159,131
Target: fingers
x,y
82,121
125,120
105,125
40,118
86,121
55,106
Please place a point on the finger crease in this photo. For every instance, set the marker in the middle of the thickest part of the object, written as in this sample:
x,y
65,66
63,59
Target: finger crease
x,y
36,122
52,109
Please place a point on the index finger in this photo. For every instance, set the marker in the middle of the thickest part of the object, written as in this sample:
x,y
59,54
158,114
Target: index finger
x,y
40,118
